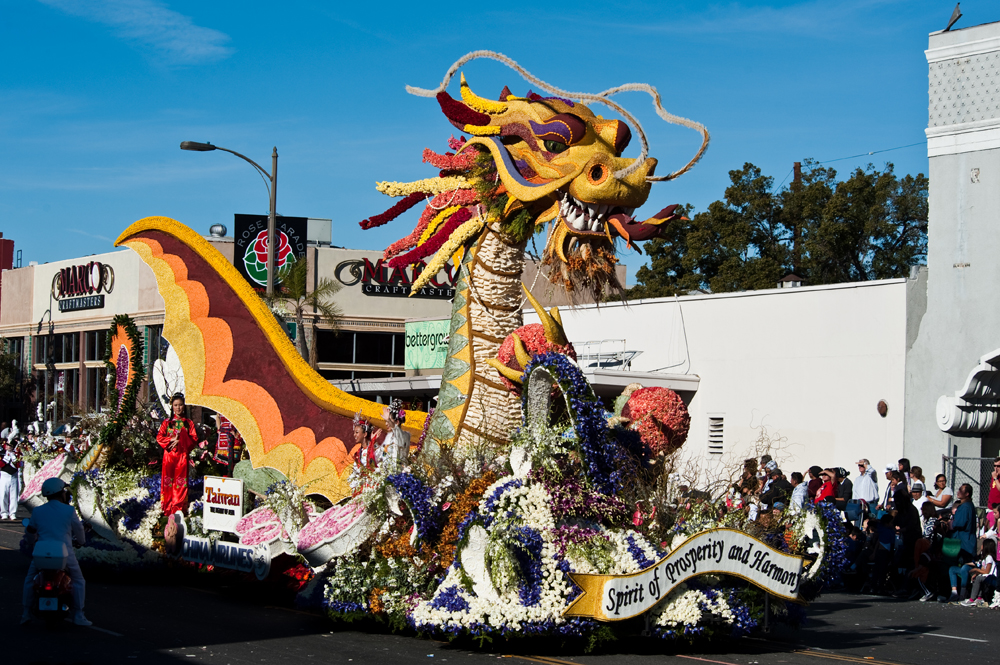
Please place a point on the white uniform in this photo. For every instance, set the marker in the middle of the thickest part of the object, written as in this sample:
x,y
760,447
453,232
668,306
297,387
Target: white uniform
x,y
8,486
57,521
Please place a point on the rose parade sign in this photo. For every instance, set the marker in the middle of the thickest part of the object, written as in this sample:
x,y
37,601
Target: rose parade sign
x,y
717,551
250,252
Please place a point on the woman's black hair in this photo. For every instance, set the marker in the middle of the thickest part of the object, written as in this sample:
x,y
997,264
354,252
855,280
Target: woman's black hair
x,y
178,396
905,463
992,545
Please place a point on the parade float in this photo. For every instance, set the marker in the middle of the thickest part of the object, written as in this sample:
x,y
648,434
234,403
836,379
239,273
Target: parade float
x,y
522,505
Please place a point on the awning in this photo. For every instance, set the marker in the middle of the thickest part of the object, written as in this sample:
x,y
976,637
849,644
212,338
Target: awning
x,y
606,383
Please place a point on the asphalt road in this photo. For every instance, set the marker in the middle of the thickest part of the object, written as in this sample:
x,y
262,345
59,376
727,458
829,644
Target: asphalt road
x,y
171,621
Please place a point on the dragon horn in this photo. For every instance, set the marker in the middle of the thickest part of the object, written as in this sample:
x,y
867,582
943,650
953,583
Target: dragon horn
x,y
477,103
553,327
510,374
521,353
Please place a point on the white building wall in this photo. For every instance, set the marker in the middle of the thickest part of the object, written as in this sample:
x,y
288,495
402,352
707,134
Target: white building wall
x,y
809,363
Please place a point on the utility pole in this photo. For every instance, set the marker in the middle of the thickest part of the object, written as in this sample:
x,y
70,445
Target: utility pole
x,y
796,231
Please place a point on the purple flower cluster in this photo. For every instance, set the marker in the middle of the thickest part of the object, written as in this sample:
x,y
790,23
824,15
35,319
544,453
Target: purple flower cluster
x,y
568,534
428,518
450,599
528,552
571,498
835,542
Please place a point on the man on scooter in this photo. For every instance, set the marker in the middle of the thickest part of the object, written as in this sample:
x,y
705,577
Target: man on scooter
x,y
57,520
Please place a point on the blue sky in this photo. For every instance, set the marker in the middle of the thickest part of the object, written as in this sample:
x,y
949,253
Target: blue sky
x,y
95,97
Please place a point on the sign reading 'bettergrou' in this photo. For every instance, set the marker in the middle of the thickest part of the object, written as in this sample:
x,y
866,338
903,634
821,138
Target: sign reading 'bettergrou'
x,y
726,551
427,344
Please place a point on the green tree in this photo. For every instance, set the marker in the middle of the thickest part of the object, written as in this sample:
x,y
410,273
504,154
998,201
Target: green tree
x,y
293,296
871,226
10,372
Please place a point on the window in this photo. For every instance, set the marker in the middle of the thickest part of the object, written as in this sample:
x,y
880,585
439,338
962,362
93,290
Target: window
x,y
716,426
95,344
96,389
61,348
360,348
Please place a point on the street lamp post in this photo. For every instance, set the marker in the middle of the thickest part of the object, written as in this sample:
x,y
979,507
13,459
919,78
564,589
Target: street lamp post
x,y
271,181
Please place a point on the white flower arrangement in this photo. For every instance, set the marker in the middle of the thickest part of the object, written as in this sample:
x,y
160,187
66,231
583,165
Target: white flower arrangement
x,y
687,607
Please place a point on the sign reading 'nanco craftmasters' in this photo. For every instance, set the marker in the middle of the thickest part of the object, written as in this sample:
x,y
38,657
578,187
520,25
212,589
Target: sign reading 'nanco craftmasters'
x,y
725,551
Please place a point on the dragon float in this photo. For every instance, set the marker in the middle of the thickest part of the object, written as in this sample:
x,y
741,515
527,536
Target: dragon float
x,y
516,507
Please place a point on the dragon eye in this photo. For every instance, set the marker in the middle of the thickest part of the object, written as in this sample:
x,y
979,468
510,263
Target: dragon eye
x,y
555,146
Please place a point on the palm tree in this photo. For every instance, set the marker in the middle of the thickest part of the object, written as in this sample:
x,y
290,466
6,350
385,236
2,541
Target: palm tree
x,y
293,296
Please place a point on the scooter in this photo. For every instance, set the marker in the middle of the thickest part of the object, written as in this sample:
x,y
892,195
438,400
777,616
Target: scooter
x,y
53,587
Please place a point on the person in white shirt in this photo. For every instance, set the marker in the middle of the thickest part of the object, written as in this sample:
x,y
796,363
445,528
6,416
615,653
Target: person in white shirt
x,y
866,486
800,490
57,520
8,482
942,495
985,575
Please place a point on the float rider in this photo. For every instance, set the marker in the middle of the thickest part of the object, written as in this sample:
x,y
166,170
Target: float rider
x,y
177,437
56,520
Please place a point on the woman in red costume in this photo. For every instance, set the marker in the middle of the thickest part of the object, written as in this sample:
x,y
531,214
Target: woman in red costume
x,y
177,436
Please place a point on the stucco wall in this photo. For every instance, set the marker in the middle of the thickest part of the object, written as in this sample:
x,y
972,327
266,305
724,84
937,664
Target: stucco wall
x,y
810,363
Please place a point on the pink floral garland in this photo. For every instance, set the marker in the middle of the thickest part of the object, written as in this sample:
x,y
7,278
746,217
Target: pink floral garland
x,y
51,469
262,526
329,525
449,162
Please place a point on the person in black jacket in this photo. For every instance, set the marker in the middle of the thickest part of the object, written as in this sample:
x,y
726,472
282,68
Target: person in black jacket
x,y
780,490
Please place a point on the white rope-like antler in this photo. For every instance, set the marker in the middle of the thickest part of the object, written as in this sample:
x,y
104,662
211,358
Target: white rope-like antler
x,y
600,98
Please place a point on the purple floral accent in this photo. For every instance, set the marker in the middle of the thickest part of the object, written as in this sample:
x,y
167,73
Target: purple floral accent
x,y
121,374
450,599
528,552
428,518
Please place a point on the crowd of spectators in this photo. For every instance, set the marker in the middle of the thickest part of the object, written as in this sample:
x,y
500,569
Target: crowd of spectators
x,y
907,538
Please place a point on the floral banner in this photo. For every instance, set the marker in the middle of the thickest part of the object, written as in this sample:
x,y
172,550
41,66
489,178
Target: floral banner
x,y
726,551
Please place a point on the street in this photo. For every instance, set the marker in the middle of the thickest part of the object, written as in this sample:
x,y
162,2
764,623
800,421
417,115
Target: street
x,y
141,620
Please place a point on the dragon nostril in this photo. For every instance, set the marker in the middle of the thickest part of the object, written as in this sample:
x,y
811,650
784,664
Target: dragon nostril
x,y
597,173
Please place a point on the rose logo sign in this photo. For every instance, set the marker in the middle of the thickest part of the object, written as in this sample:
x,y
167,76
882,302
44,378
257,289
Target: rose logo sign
x,y
255,259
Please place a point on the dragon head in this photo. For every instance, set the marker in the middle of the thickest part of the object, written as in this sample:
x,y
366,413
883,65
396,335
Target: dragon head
x,y
550,160
532,162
